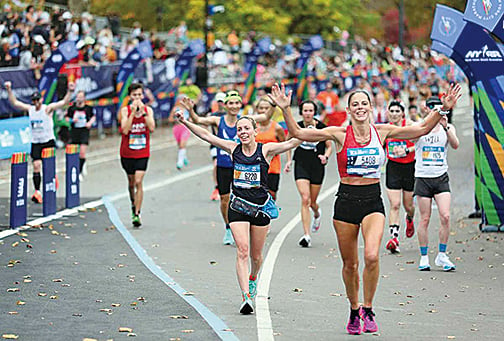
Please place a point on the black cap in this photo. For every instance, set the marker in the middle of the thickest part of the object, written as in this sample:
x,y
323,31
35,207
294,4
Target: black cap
x,y
36,96
432,102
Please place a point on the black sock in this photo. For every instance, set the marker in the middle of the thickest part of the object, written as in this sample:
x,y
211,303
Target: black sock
x,y
367,310
81,164
36,180
354,312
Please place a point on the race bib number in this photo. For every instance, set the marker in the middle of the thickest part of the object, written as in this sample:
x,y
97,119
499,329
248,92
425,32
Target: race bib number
x,y
363,161
81,119
398,145
247,176
37,126
138,141
433,156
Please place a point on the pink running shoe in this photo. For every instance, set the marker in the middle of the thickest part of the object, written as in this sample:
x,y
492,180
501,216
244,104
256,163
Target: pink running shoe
x,y
354,326
368,316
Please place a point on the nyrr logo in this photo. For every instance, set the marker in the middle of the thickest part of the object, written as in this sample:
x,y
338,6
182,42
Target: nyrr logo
x,y
486,9
447,26
484,55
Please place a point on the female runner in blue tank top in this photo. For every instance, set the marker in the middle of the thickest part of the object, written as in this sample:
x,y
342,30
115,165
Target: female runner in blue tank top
x,y
359,205
250,162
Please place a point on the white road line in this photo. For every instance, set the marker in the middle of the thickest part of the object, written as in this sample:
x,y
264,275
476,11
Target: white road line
x,y
113,197
263,317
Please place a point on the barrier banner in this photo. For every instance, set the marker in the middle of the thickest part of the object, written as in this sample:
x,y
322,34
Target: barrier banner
x,y
72,198
47,84
250,68
19,188
475,49
15,136
313,44
23,85
126,72
48,181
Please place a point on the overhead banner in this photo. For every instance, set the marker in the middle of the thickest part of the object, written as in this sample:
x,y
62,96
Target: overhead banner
x,y
47,85
250,68
487,14
313,44
474,49
126,72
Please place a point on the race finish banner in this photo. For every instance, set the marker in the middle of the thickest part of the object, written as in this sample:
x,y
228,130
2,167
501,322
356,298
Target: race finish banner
x,y
127,70
485,59
47,85
315,43
72,176
19,187
48,181
250,69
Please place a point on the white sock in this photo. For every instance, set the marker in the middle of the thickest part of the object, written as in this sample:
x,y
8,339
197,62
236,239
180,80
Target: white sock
x,y
181,155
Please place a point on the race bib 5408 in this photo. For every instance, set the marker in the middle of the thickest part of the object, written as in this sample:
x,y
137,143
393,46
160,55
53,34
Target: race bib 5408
x,y
363,161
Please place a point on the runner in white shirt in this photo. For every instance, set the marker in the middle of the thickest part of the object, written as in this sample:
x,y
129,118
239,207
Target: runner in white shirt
x,y
41,123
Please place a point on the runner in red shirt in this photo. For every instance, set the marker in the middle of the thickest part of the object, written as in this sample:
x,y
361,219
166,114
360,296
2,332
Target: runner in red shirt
x,y
137,122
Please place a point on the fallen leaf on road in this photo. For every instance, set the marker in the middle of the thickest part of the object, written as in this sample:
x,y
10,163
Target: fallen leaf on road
x,y
88,339
15,244
410,262
297,290
474,329
20,303
93,231
10,336
54,297
432,311
189,293
12,289
56,280
125,330
450,337
123,254
312,267
42,294
13,313
277,334
179,317
52,251
335,294
27,280
212,262
54,232
187,331
25,240
106,310
77,315
132,334
116,304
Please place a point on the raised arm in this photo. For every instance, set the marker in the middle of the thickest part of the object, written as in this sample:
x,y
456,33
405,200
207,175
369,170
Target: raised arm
x,y
312,135
65,101
13,100
416,131
274,148
188,104
205,135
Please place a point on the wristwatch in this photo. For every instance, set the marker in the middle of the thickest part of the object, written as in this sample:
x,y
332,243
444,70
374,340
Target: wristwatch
x,y
446,128
443,112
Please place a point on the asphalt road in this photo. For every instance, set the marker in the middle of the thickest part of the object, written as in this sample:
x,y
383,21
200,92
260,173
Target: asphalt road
x,y
301,293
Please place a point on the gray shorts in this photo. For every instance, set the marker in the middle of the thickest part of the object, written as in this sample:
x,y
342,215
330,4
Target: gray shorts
x,y
428,187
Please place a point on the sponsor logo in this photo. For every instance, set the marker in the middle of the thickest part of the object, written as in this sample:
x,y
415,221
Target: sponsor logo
x,y
483,55
486,9
20,189
51,186
447,26
57,58
6,139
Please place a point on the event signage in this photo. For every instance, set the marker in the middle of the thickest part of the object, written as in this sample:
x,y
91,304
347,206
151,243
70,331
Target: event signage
x,y
48,181
19,187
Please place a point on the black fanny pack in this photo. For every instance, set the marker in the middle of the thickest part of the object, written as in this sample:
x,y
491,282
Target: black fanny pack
x,y
250,209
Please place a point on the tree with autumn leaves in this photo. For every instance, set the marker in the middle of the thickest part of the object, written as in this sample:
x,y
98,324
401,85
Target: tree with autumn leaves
x,y
282,18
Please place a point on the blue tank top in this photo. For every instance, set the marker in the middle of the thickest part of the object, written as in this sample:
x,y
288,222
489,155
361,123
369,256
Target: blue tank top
x,y
250,176
227,133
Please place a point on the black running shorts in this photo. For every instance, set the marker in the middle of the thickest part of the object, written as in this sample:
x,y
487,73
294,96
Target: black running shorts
x,y
400,176
79,135
261,220
36,149
273,182
130,165
314,172
224,180
428,187
354,202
